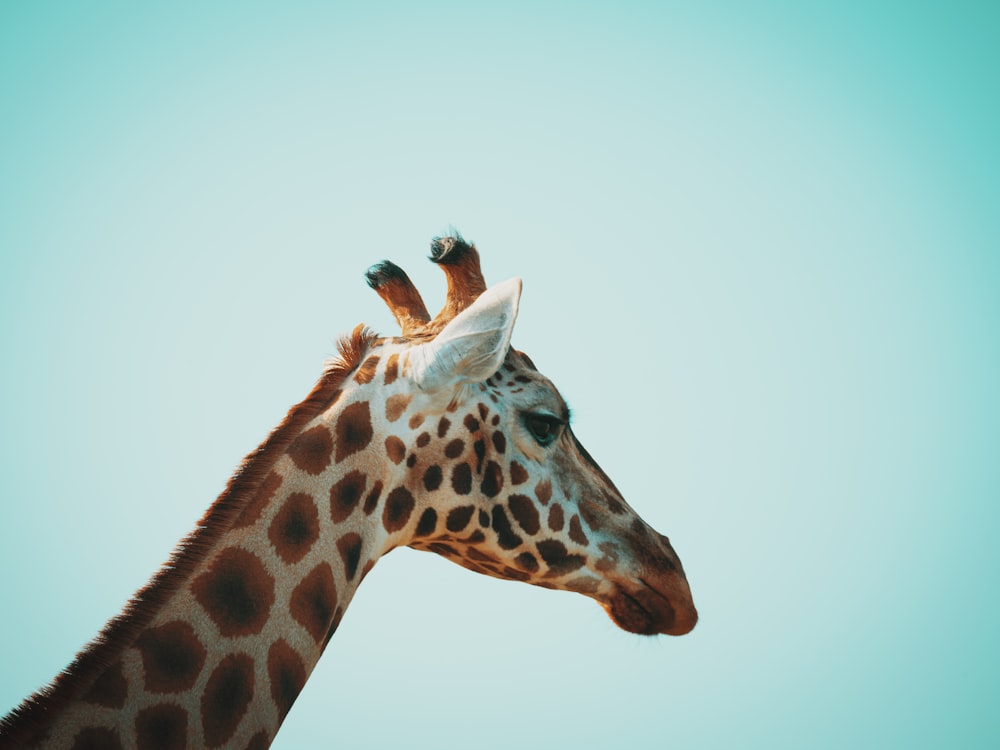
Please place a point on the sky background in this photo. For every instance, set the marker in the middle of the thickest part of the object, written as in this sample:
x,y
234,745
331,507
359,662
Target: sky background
x,y
760,245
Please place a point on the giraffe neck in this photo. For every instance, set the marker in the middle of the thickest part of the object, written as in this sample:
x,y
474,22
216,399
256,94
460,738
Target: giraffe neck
x,y
216,648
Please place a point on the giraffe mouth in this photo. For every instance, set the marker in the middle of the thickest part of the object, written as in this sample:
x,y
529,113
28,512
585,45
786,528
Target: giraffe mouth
x,y
646,610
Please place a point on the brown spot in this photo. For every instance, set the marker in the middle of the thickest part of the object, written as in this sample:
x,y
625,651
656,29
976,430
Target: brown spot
x,y
484,518
96,738
226,698
236,592
427,523
295,527
366,372
461,479
354,430
391,369
162,727
372,500
259,501
556,518
496,420
483,568
454,448
576,531
313,601
432,478
311,450
474,554
499,441
416,420
395,449
524,511
591,514
346,494
492,480
349,547
604,564
423,439
172,657
443,426
398,507
260,741
411,460
396,405
110,689
484,411
287,675
458,518
518,474
582,584
338,615
476,537
479,447
366,570
543,491
527,561
614,505
471,423
514,574
557,557
505,534
609,558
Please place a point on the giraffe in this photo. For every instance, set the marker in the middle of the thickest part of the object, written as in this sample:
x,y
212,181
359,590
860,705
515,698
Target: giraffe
x,y
444,439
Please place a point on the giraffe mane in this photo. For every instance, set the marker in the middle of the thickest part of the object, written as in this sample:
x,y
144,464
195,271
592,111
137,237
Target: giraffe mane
x,y
26,721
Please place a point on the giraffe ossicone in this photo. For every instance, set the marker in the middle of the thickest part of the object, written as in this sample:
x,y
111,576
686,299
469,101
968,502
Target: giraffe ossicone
x,y
444,439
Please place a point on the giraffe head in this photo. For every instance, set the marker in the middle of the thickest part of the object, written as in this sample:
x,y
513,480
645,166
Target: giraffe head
x,y
485,467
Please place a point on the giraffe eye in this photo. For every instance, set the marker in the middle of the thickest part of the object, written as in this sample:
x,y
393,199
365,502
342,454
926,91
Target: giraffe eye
x,y
544,428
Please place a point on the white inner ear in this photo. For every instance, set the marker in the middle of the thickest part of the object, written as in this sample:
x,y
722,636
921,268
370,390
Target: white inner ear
x,y
473,345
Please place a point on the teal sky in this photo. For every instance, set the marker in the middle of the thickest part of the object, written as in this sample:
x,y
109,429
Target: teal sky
x,y
760,245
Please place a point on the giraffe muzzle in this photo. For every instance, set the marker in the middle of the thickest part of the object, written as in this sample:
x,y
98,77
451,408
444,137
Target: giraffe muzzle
x,y
645,609
658,599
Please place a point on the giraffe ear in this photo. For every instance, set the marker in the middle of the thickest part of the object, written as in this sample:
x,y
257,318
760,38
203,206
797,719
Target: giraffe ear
x,y
473,345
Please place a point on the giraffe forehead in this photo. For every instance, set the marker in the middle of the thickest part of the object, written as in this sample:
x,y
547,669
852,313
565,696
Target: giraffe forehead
x,y
521,386
517,385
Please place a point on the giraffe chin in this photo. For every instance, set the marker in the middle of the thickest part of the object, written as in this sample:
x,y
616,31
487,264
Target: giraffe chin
x,y
645,611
